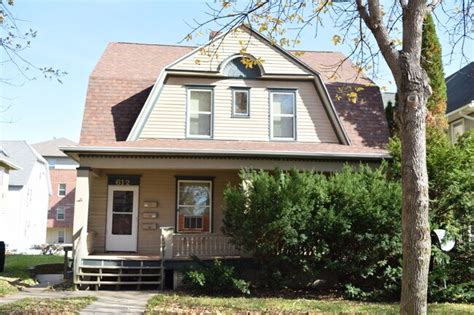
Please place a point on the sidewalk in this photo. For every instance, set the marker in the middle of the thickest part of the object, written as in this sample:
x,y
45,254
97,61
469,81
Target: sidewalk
x,y
108,302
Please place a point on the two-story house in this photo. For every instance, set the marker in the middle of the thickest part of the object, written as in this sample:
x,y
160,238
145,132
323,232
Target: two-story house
x,y
62,170
25,190
166,128
460,109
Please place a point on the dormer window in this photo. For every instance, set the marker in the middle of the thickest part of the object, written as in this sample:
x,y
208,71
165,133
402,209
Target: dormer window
x,y
240,102
282,115
237,69
199,112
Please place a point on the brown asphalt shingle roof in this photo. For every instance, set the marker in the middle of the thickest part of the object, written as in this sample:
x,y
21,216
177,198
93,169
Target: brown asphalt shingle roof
x,y
126,72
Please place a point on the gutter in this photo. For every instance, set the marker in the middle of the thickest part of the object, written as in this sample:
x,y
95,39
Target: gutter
x,y
11,166
222,153
469,107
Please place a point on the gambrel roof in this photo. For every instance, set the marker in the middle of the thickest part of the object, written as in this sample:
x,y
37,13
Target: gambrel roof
x,y
126,73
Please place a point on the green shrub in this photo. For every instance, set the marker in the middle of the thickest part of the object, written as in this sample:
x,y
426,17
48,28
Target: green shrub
x,y
215,278
451,190
300,224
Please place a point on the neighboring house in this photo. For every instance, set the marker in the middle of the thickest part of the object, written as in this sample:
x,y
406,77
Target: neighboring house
x,y
23,215
166,128
460,109
62,170
6,166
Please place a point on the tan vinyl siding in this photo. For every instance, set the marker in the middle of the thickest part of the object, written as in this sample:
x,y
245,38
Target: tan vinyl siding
x,y
155,185
168,117
211,57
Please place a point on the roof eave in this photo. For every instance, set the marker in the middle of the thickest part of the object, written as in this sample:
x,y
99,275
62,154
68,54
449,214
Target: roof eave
x,y
74,152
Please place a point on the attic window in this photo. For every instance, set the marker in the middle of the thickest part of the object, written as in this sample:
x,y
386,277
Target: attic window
x,y
237,69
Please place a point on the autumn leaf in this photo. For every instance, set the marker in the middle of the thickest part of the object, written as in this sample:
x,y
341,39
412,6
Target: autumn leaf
x,y
197,61
352,97
336,39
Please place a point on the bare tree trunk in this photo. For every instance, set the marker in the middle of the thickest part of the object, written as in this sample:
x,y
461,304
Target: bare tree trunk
x,y
414,91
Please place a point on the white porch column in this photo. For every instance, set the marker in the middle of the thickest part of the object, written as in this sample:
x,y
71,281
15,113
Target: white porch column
x,y
81,212
167,236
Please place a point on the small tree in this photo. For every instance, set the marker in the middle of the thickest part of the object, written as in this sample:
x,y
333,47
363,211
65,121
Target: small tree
x,y
431,61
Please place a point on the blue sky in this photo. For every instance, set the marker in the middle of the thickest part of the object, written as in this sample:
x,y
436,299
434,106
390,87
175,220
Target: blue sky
x,y
73,34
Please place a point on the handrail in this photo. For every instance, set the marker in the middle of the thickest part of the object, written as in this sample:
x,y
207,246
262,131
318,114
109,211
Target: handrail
x,y
203,245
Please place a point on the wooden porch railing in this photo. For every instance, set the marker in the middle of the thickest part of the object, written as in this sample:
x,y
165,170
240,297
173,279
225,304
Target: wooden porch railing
x,y
202,246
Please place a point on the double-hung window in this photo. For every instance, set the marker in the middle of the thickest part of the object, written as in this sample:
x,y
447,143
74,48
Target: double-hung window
x,y
199,113
240,102
194,205
60,237
282,115
62,190
60,213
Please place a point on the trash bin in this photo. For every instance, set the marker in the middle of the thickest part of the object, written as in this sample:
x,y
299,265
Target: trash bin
x,y
2,256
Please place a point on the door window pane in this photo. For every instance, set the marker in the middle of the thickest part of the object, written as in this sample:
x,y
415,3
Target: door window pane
x,y
123,201
122,224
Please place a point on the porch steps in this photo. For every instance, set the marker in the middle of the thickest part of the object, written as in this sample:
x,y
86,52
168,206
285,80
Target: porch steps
x,y
119,273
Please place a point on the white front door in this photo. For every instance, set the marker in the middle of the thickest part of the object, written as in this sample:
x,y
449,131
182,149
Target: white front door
x,y
122,219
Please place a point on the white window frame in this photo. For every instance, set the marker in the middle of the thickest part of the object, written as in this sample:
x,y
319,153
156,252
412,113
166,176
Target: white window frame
x,y
58,236
63,211
234,113
59,189
180,206
189,112
196,217
293,94
454,124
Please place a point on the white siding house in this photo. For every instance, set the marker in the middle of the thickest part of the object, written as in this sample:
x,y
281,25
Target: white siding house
x,y
23,213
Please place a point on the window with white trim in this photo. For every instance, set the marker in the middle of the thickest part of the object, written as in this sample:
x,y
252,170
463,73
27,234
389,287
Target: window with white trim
x,y
199,120
62,190
60,237
457,130
282,115
60,214
194,209
240,102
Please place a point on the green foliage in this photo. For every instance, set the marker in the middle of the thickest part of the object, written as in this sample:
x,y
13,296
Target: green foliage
x,y
432,63
451,179
215,278
303,223
451,191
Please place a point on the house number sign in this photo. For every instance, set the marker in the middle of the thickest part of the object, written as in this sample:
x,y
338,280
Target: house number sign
x,y
124,180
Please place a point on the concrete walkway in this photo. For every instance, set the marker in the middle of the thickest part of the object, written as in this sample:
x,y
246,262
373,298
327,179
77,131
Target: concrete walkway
x,y
119,302
108,302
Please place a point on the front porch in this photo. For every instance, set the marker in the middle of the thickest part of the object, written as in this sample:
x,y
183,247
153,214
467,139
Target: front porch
x,y
133,211
138,222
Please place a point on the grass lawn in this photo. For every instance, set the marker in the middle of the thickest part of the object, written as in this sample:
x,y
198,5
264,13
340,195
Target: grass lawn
x,y
16,266
16,271
47,306
6,288
179,303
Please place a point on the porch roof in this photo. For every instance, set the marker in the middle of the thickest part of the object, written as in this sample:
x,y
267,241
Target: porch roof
x,y
222,148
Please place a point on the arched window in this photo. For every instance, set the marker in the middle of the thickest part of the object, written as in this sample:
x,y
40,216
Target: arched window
x,y
236,69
